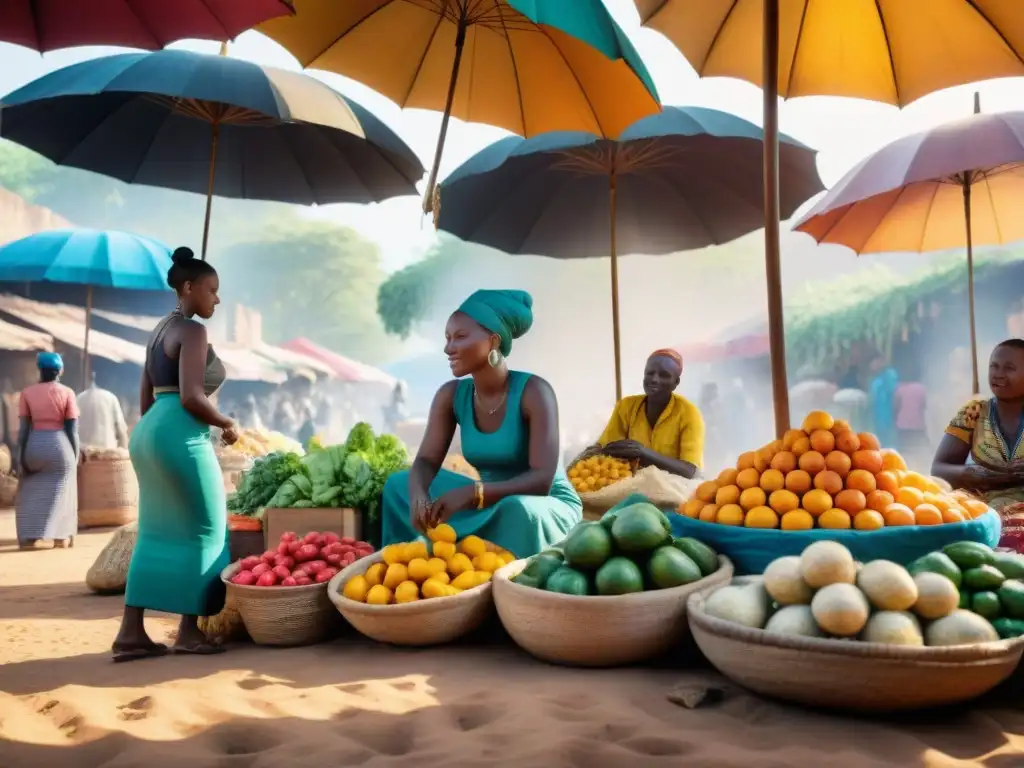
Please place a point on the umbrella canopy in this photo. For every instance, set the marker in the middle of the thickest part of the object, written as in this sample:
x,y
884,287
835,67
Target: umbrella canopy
x,y
48,25
955,186
167,118
344,368
531,66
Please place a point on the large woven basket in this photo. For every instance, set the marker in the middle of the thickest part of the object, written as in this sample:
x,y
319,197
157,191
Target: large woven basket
x,y
424,622
8,491
283,616
597,631
849,674
108,493
108,574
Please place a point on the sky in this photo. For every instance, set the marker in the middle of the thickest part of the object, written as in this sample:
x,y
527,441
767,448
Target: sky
x,y
843,130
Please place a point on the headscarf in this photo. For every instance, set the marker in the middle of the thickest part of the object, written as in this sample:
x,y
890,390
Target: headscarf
x,y
509,314
49,361
671,354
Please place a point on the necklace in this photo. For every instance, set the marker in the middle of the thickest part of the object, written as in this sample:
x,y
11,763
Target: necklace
x,y
480,402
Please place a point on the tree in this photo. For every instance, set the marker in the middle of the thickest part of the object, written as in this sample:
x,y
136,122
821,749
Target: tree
x,y
409,295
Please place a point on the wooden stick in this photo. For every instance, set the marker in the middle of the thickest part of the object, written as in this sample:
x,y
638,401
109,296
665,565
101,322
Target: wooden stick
x,y
85,347
616,341
460,41
215,134
970,286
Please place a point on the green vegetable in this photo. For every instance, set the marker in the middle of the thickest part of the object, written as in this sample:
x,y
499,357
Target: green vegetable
x,y
541,567
567,581
1010,564
937,562
703,555
969,554
639,528
986,604
619,576
588,545
1009,628
1011,596
983,577
261,482
669,567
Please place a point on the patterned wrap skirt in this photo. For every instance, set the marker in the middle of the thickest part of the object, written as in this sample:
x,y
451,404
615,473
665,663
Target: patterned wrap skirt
x,y
47,503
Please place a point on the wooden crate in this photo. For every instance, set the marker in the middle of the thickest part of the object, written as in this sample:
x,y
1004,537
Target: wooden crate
x,y
344,522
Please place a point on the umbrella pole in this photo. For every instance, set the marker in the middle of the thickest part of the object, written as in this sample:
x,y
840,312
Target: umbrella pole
x,y
460,42
970,286
773,268
85,347
616,341
215,135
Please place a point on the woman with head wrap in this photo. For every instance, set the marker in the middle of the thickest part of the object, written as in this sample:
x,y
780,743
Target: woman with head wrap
x,y
47,506
658,428
181,546
508,420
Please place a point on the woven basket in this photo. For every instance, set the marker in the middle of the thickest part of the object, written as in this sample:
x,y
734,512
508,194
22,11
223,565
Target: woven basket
x,y
109,573
424,622
8,491
108,493
849,674
5,459
597,631
283,616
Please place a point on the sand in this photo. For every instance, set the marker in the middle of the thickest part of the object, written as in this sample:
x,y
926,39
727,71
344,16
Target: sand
x,y
351,702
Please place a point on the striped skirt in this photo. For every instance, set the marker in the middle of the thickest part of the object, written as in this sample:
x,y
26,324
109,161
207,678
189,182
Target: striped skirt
x,y
47,503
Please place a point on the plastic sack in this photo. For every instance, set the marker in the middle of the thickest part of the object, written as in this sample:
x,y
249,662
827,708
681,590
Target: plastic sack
x,y
650,484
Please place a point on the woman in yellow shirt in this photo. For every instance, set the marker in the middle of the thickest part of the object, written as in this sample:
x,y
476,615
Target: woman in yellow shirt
x,y
659,428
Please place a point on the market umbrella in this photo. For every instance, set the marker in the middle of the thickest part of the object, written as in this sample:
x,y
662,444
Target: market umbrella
x,y
685,178
958,185
893,52
89,257
48,25
213,125
528,66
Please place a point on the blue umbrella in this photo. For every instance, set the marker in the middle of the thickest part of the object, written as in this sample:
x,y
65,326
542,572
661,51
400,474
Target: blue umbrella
x,y
685,178
213,125
88,257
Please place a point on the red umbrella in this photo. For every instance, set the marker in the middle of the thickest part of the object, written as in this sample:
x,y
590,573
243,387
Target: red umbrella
x,y
345,368
48,25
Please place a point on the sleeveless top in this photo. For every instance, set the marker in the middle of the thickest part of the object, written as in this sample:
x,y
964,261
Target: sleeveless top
x,y
163,369
504,453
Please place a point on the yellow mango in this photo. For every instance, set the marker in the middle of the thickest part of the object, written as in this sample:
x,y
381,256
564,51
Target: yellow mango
x,y
465,580
393,553
472,546
356,589
407,592
419,570
434,588
396,574
459,563
441,577
375,574
488,561
443,532
379,595
444,549
413,550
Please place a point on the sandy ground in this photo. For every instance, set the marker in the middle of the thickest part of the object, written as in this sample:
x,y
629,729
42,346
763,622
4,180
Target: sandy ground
x,y
351,702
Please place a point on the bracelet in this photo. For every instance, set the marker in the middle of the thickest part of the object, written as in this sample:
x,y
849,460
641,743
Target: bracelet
x,y
479,489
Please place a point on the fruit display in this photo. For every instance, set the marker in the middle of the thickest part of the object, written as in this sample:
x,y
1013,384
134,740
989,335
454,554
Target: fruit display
x,y
423,570
825,593
825,475
593,473
300,561
629,550
260,442
990,584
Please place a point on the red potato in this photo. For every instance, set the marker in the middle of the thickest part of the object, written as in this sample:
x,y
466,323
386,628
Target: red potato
x,y
282,548
281,572
315,566
348,558
245,578
268,557
293,547
260,569
325,575
247,563
303,581
347,540
288,536
307,552
286,560
267,579
289,581
330,537
311,537
333,559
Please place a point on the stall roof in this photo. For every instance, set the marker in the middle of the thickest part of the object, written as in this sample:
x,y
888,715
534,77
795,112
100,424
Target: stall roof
x,y
293,361
343,367
14,338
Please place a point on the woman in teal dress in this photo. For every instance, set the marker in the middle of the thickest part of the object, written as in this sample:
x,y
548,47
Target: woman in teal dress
x,y
182,540
509,426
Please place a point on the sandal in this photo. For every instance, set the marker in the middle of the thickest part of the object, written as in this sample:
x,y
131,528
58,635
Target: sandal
x,y
153,651
34,545
67,543
200,648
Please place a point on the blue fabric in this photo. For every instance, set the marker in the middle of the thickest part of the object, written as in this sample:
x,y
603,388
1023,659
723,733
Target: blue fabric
x,y
506,313
49,361
87,257
883,393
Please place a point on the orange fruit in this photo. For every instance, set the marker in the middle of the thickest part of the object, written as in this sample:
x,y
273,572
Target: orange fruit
x,y
829,482
847,442
760,462
783,501
798,481
797,520
706,491
752,497
868,520
927,514
784,462
892,460
954,514
838,462
822,441
761,517
868,442
691,508
748,478
868,459
818,420
817,501
886,481
834,518
839,426
790,438
772,480
727,477
729,514
708,513
879,499
745,461
915,480
851,500
911,497
974,507
727,494
812,462
861,480
899,514
801,446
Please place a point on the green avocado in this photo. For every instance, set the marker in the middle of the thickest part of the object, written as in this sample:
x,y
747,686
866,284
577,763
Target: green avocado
x,y
588,546
969,554
1011,596
619,576
567,581
703,555
541,567
639,528
937,562
983,577
1009,563
670,567
1009,628
986,605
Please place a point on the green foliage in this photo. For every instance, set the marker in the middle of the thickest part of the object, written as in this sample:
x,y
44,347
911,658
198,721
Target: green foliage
x,y
261,482
408,295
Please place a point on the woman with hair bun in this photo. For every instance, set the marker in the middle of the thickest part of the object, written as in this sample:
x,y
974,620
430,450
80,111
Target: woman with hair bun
x,y
182,540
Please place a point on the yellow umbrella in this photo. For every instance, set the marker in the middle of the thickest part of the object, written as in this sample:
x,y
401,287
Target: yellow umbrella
x,y
529,66
893,51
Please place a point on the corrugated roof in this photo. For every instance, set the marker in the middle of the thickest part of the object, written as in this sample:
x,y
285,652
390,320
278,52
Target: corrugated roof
x,y
14,338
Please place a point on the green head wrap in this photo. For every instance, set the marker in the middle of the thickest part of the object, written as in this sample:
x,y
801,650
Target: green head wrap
x,y
506,313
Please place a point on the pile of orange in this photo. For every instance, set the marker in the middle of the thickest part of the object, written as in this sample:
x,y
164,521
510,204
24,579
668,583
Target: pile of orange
x,y
825,475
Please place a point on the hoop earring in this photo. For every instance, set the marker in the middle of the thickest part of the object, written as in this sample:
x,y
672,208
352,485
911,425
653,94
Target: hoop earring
x,y
494,358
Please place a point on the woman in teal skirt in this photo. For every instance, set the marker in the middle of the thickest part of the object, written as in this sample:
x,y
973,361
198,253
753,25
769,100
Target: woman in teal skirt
x,y
509,426
182,540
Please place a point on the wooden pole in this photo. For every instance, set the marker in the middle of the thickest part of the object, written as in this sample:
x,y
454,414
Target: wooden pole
x,y
460,41
970,286
85,347
772,214
215,135
616,339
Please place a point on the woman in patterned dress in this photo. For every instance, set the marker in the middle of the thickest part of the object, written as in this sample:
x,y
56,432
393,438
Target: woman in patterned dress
x,y
47,506
983,448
